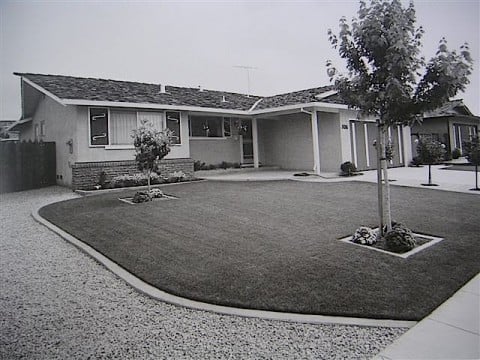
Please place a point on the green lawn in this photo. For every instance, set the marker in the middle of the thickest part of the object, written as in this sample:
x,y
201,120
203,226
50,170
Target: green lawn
x,y
274,245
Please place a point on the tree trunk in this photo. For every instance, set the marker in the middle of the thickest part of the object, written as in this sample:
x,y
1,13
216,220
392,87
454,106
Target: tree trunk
x,y
476,177
379,177
387,215
148,183
429,174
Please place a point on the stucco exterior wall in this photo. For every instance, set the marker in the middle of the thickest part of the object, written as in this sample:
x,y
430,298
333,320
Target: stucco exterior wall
x,y
329,129
87,153
60,124
214,151
287,142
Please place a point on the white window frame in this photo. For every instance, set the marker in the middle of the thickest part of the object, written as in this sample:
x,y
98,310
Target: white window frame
x,y
179,124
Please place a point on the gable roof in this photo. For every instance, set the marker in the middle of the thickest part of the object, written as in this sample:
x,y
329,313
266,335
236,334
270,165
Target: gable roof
x,y
74,90
77,88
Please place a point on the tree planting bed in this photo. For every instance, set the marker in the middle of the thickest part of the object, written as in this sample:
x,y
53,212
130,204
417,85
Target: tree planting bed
x,y
274,245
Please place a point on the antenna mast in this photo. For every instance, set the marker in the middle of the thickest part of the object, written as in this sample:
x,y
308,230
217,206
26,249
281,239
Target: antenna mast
x,y
247,69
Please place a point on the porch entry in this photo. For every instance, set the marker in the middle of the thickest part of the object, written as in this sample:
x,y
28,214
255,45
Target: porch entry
x,y
246,142
364,154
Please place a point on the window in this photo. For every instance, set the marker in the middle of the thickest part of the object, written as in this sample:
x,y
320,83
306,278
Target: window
x,y
98,126
42,128
227,132
36,132
209,126
173,123
122,124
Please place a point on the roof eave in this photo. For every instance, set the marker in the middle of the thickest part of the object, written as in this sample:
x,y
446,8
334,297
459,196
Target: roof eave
x,y
43,90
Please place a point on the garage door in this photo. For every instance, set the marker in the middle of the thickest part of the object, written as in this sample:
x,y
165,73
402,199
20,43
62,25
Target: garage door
x,y
364,154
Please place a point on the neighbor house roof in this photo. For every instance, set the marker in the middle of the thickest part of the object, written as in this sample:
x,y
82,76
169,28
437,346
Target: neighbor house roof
x,y
74,90
450,108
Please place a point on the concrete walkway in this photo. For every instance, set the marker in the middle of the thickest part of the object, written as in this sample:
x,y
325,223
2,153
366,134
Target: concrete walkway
x,y
448,180
452,330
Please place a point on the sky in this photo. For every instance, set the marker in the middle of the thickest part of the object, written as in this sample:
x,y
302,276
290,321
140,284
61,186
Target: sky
x,y
200,43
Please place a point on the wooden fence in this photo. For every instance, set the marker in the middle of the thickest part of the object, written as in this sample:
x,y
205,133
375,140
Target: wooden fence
x,y
26,165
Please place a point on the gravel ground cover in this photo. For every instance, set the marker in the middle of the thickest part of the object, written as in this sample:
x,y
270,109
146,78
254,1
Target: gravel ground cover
x,y
273,245
57,303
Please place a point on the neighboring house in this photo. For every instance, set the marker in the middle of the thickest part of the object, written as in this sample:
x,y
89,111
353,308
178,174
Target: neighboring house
x,y
91,122
5,133
452,124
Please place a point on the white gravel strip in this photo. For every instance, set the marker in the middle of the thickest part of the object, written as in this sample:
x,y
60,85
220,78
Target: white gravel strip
x,y
57,303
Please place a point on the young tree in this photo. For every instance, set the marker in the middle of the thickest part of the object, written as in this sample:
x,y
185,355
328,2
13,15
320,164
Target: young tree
x,y
471,150
384,79
151,145
430,152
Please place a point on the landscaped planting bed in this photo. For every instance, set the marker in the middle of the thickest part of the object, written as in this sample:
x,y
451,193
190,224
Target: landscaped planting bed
x,y
274,245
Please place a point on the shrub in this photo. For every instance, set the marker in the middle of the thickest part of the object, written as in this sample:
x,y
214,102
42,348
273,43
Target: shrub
x,y
139,179
198,165
348,168
456,153
416,162
140,197
400,239
156,193
365,236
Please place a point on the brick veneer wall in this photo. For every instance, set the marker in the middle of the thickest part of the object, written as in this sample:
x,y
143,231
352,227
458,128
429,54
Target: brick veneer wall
x,y
85,175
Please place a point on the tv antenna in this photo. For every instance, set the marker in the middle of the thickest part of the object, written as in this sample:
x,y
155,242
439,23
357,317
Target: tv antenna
x,y
247,70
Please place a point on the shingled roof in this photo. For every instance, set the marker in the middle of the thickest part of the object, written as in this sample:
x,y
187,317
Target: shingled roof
x,y
450,108
92,89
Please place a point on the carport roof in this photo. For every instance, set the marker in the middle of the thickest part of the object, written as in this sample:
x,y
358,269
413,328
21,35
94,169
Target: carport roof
x,y
70,89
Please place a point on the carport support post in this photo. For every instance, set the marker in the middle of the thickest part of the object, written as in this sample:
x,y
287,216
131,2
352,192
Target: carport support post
x,y
255,143
316,148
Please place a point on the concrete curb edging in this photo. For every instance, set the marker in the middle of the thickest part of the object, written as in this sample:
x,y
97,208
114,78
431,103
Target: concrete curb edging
x,y
158,294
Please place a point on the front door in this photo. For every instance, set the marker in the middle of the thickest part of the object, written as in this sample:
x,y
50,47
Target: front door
x,y
247,142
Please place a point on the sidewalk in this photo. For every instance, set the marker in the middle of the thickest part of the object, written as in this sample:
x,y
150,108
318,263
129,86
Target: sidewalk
x,y
450,332
449,180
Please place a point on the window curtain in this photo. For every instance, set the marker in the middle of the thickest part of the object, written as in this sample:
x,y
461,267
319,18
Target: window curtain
x,y
122,125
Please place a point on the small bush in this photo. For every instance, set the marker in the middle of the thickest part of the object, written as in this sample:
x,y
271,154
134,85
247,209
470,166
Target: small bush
x,y
198,165
139,179
348,168
456,153
365,236
102,180
400,239
416,162
156,193
141,197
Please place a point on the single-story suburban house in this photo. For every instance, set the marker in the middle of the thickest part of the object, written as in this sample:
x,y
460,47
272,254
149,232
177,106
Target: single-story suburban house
x,y
452,124
91,121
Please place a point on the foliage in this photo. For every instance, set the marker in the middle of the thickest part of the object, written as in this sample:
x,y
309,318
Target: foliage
x,y
400,239
365,236
102,180
382,51
472,150
430,151
138,179
348,168
416,162
150,145
140,197
156,193
199,165
456,153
